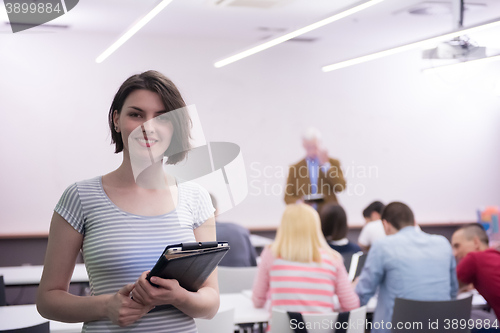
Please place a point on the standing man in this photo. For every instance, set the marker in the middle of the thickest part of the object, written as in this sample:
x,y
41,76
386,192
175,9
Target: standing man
x,y
408,263
477,263
315,174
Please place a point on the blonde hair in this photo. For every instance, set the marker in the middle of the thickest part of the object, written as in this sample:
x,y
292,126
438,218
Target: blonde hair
x,y
299,236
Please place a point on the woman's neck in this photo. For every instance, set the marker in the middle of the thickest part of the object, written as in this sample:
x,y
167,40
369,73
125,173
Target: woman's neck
x,y
142,173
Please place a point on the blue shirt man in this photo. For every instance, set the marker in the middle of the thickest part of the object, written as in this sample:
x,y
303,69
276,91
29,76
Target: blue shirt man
x,y
408,263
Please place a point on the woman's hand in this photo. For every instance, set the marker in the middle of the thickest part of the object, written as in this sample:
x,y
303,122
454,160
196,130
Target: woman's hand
x,y
124,311
168,292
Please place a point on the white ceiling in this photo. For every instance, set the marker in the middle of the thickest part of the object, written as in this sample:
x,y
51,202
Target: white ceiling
x,y
198,18
376,28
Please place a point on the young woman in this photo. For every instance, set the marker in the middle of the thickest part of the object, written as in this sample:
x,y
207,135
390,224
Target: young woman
x,y
300,271
334,226
123,220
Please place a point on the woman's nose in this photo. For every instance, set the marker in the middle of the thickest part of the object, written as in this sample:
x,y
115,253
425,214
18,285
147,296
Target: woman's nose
x,y
147,126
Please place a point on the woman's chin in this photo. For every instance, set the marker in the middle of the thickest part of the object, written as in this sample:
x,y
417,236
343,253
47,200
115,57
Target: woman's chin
x,y
142,156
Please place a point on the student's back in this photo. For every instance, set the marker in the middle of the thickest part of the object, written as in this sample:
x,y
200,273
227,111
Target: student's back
x,y
300,272
408,263
242,252
420,265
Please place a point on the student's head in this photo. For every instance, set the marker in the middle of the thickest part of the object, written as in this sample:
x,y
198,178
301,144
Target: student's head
x,y
469,238
373,212
299,236
333,222
396,216
311,141
146,95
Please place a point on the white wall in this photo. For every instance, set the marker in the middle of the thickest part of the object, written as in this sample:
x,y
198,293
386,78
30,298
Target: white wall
x,y
433,140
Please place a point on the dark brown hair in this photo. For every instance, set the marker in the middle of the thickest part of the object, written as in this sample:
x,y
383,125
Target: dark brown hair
x,y
398,215
375,206
333,222
172,100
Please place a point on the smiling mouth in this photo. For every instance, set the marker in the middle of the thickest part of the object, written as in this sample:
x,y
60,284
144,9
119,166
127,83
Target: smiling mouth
x,y
146,143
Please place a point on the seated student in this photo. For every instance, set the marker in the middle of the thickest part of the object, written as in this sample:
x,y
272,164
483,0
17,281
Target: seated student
x,y
300,270
373,229
242,252
334,227
408,263
477,263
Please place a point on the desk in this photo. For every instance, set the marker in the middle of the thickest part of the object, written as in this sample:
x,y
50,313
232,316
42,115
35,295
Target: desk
x,y
10,319
27,315
244,311
31,275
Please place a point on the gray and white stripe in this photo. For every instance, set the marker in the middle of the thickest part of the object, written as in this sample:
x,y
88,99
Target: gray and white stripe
x,y
119,246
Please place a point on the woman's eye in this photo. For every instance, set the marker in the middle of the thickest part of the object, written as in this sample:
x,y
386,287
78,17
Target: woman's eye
x,y
134,115
164,118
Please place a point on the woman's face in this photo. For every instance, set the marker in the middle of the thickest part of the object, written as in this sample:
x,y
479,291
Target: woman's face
x,y
145,132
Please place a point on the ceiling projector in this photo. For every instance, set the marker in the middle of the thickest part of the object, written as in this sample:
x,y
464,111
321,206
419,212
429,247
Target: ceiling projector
x,y
458,48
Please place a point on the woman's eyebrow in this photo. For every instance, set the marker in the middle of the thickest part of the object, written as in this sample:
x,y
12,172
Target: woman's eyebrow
x,y
141,110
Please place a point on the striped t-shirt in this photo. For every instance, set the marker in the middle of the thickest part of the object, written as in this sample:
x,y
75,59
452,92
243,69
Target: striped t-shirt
x,y
303,287
119,246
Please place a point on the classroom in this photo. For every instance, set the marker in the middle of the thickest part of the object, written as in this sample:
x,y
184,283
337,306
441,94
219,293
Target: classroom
x,y
352,137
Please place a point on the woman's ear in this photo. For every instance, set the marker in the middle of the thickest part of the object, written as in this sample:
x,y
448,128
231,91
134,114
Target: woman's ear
x,y
116,116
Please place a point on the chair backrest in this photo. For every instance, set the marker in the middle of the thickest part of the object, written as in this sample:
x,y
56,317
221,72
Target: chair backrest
x,y
223,322
41,328
235,279
319,322
3,300
438,314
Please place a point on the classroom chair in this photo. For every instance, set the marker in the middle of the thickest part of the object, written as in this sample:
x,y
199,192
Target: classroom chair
x,y
428,312
235,279
3,300
324,322
223,322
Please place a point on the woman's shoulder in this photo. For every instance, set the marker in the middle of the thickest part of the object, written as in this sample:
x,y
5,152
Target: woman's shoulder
x,y
188,185
328,258
192,189
90,181
76,187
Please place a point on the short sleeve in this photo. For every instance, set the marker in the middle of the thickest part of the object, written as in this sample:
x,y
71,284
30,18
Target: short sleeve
x,y
70,208
203,208
363,238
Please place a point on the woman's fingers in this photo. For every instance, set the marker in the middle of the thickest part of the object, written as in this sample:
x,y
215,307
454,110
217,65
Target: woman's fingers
x,y
139,295
125,291
168,284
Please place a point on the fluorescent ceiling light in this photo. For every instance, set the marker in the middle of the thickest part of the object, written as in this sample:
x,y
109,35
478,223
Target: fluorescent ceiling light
x,y
296,33
422,43
142,22
461,64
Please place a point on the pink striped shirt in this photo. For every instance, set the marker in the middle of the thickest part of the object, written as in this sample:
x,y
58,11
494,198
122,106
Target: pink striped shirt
x,y
303,287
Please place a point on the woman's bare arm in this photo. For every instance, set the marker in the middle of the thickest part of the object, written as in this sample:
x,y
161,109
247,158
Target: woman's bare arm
x,y
56,303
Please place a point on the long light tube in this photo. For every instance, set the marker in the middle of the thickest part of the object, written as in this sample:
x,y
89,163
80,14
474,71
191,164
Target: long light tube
x,y
136,27
422,43
461,64
295,33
